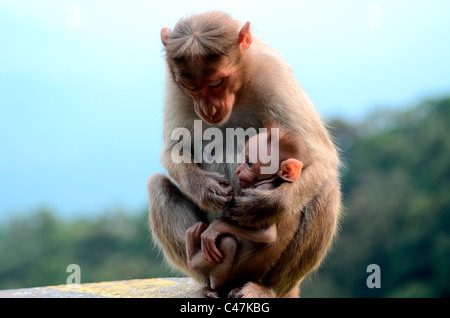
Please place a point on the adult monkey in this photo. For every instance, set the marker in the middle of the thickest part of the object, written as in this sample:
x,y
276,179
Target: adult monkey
x,y
218,73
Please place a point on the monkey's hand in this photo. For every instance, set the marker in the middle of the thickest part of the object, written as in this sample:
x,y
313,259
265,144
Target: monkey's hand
x,y
210,190
255,208
208,243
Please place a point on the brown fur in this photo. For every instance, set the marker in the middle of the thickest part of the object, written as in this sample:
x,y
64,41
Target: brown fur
x,y
249,253
196,39
260,89
292,146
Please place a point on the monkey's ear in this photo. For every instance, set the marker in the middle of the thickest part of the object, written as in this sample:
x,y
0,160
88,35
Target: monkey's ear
x,y
290,169
165,33
245,37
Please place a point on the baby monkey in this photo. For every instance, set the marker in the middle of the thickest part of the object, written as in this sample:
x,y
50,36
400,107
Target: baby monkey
x,y
231,254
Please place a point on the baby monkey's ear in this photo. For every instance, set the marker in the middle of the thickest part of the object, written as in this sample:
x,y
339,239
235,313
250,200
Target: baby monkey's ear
x,y
290,169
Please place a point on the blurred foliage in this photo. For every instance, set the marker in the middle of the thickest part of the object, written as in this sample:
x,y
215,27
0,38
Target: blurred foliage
x,y
396,194
36,250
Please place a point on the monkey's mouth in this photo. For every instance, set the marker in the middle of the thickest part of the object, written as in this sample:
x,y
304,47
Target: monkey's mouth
x,y
217,114
217,119
243,184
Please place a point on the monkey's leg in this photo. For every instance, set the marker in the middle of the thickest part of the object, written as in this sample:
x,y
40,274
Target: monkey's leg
x,y
251,290
170,215
221,273
196,260
294,292
254,290
311,242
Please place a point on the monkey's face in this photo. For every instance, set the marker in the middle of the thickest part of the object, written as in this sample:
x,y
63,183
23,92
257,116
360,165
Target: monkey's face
x,y
249,172
212,87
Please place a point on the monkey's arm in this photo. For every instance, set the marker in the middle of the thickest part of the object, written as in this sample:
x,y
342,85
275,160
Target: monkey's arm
x,y
221,226
208,190
257,208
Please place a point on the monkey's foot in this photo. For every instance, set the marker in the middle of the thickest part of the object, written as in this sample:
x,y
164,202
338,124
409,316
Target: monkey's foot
x,y
235,293
205,292
251,290
193,234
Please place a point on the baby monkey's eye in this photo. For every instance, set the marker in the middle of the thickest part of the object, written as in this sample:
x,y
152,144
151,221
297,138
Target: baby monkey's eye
x,y
249,164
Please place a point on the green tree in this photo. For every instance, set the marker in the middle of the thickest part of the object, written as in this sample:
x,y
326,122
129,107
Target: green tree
x,y
36,250
396,196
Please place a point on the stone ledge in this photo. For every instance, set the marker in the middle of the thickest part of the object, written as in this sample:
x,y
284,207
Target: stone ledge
x,y
137,288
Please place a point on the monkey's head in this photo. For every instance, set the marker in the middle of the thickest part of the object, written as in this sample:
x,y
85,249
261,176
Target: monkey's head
x,y
204,53
249,173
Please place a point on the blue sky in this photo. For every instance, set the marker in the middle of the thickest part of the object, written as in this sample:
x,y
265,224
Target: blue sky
x,y
81,83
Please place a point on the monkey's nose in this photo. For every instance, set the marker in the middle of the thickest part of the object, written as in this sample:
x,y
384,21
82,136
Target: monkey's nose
x,y
211,111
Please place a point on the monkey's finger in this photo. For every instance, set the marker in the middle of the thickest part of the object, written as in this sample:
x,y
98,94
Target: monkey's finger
x,y
201,227
216,253
206,253
226,192
220,200
230,190
196,229
244,193
223,181
213,254
190,231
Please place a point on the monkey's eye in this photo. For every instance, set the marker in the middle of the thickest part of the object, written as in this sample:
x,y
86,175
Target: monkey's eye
x,y
193,88
216,83
248,163
189,87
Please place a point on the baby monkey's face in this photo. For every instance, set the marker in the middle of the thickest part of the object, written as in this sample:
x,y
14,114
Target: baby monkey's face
x,y
249,172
